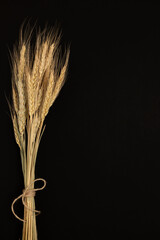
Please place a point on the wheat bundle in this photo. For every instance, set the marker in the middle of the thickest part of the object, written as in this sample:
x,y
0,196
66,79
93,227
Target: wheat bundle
x,y
38,74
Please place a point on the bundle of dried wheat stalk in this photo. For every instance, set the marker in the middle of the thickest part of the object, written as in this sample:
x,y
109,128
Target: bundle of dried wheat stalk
x,y
38,74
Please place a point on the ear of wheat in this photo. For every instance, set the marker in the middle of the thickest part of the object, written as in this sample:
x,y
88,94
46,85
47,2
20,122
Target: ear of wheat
x,y
38,74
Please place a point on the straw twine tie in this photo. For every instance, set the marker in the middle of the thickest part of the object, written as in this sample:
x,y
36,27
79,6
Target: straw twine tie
x,y
28,193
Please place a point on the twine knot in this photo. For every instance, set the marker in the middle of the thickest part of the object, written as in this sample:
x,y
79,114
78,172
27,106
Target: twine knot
x,y
28,192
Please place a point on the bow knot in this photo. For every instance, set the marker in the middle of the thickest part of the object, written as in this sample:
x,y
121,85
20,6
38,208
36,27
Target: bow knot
x,y
28,192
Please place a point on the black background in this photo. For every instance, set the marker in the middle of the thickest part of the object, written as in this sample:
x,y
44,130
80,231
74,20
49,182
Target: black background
x,y
100,152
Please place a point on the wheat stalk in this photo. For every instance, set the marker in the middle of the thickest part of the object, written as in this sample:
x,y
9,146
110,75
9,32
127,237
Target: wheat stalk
x,y
37,78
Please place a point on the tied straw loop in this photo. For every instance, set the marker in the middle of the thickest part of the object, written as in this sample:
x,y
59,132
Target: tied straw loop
x,y
27,193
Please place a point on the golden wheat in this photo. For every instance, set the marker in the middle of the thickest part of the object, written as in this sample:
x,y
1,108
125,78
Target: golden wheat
x,y
37,78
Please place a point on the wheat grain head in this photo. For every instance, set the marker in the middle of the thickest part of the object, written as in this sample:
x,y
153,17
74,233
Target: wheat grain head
x,y
38,74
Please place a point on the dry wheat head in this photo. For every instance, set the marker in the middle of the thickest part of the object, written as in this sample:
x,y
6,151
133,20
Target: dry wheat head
x,y
38,74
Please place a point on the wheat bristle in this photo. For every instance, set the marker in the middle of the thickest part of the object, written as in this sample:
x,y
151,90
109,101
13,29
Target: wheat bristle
x,y
21,63
15,98
47,98
22,107
30,94
16,132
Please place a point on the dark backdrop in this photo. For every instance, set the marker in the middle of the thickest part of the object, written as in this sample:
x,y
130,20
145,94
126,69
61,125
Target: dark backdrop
x,y
100,152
